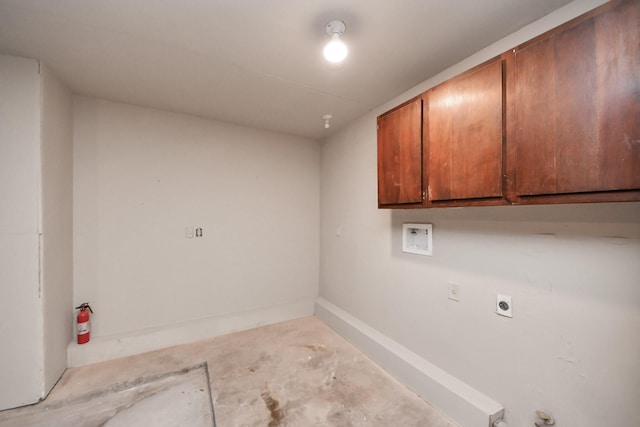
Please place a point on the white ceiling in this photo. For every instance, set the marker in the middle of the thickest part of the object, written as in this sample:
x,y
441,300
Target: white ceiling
x,y
255,62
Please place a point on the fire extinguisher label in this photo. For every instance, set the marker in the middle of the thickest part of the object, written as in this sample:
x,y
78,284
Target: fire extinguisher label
x,y
83,328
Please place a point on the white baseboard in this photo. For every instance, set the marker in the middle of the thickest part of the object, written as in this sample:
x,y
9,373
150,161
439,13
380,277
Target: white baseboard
x,y
112,347
463,404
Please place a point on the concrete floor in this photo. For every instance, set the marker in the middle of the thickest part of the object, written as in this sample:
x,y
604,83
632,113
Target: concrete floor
x,y
296,373
173,399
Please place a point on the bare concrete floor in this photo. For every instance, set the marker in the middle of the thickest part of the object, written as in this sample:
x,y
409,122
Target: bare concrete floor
x,y
168,400
296,373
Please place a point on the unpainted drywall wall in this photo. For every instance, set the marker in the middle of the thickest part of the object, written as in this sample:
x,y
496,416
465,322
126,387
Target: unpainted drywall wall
x,y
57,224
21,351
141,176
572,346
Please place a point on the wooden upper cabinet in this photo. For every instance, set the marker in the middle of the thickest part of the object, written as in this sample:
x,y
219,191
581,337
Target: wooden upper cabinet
x,y
577,107
465,135
400,155
555,120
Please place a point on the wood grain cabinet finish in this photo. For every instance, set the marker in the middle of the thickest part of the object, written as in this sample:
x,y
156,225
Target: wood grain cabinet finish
x,y
555,120
465,135
400,169
577,107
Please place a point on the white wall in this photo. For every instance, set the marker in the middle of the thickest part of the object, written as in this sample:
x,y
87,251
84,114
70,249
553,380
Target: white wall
x,y
57,219
35,230
20,305
141,176
573,271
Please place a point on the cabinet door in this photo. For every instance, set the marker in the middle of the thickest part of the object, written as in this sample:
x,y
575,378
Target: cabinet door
x,y
577,107
400,155
465,135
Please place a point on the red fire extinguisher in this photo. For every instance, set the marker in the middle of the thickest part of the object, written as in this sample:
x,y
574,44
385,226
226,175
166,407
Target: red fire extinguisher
x,y
84,322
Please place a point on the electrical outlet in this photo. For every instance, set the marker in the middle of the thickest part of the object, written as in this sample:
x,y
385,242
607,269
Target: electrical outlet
x,y
454,292
504,307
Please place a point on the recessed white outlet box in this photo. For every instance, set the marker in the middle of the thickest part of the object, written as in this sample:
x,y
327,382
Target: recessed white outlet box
x,y
339,231
504,306
417,239
188,232
454,292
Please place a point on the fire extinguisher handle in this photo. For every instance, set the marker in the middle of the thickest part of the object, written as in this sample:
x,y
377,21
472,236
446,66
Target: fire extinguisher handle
x,y
84,306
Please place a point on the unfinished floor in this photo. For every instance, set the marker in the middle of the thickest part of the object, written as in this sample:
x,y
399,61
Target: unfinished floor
x,y
296,373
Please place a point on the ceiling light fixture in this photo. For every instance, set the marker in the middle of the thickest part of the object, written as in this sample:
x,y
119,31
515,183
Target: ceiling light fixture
x,y
327,118
335,50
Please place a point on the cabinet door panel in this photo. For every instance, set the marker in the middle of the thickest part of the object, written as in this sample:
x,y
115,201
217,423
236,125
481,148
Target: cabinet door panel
x,y
400,155
465,136
618,64
577,105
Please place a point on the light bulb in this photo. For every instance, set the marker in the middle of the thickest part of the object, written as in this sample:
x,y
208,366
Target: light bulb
x,y
335,50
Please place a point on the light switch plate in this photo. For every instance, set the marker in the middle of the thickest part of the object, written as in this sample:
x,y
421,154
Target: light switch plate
x,y
454,292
